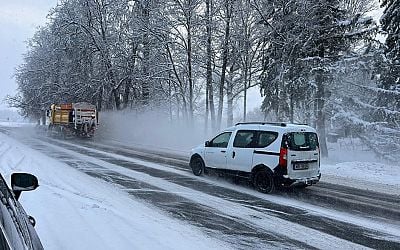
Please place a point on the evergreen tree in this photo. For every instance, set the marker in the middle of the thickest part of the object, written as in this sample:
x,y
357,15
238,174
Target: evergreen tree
x,y
390,78
305,41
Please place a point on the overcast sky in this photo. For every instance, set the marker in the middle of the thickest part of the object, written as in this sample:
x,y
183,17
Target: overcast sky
x,y
19,20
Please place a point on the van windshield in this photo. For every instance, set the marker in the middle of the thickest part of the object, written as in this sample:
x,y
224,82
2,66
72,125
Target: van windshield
x,y
301,141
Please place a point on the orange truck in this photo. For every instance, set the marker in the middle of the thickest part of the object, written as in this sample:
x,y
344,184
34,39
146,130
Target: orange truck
x,y
72,119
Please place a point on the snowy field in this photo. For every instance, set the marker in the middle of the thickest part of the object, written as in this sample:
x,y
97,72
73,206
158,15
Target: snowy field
x,y
75,211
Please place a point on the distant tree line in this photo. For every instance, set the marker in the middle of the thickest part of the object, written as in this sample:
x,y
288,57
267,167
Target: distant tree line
x,y
315,61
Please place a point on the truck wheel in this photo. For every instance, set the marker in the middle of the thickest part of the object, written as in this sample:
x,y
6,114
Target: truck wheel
x,y
49,131
197,165
263,181
63,133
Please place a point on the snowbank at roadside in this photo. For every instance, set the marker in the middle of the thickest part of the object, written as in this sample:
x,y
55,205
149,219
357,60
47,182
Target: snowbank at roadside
x,y
365,171
371,176
350,163
75,211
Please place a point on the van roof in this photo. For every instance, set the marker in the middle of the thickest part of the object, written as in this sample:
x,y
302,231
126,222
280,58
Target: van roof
x,y
274,126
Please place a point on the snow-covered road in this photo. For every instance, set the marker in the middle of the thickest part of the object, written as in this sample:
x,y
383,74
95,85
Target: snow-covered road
x,y
107,197
75,211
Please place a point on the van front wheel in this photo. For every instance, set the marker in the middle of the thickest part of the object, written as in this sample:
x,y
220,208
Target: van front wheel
x,y
197,165
263,181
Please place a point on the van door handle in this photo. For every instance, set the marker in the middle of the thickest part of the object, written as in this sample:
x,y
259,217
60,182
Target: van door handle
x,y
233,154
223,151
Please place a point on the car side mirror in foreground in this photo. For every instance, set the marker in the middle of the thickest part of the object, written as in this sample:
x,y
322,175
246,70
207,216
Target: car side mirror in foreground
x,y
23,182
207,144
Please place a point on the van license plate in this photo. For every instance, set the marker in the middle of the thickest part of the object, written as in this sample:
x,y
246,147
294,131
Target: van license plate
x,y
300,166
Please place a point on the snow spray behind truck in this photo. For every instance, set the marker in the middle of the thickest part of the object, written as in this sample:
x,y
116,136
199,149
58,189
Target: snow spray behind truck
x,y
72,119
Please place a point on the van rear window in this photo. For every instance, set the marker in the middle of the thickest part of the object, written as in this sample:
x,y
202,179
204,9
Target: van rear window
x,y
300,141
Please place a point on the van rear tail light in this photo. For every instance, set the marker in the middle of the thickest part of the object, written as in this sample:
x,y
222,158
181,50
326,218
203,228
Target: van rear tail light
x,y
283,157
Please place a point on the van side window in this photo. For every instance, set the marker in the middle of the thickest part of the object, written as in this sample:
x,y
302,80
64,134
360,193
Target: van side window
x,y
265,138
221,141
254,139
245,139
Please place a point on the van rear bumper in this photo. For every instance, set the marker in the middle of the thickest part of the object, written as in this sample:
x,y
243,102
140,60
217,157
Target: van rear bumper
x,y
306,181
286,181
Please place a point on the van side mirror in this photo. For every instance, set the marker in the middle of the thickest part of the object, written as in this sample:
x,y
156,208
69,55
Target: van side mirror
x,y
207,144
23,182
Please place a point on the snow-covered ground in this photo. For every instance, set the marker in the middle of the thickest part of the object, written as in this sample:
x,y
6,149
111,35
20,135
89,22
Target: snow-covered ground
x,y
352,164
371,176
75,211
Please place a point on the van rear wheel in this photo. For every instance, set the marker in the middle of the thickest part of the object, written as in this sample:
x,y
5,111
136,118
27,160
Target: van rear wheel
x,y
197,165
263,181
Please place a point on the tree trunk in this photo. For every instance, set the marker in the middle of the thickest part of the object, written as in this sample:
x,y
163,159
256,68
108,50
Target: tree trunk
x,y
228,9
291,108
246,66
277,100
245,94
209,89
229,96
315,111
170,99
117,100
128,82
100,99
189,61
320,99
207,111
146,54
127,90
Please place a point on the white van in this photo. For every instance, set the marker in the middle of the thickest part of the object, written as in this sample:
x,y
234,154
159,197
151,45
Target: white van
x,y
269,154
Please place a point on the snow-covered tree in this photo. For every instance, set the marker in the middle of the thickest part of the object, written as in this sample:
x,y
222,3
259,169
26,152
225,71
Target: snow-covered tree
x,y
357,105
390,77
305,40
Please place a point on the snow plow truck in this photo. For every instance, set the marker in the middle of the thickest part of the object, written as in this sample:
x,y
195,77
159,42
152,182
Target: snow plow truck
x,y
72,119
